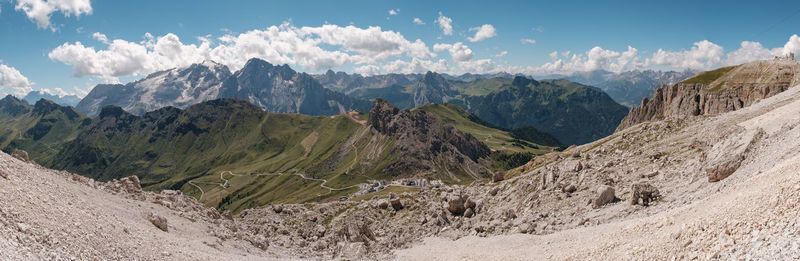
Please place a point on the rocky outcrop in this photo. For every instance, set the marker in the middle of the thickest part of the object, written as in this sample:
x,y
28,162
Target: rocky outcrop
x,y
425,144
21,155
722,90
643,193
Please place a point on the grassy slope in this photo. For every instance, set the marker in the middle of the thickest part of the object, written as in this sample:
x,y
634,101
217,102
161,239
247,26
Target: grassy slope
x,y
496,139
708,76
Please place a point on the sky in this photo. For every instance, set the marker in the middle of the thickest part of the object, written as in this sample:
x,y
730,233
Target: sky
x,y
69,46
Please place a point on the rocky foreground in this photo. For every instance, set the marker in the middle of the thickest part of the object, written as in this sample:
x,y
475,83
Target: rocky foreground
x,y
712,186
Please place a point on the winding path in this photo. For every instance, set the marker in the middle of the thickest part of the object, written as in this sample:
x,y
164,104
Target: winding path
x,y
301,175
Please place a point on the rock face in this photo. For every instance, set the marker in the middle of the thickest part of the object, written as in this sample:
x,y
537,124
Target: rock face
x,y
426,144
281,89
178,87
433,88
722,90
347,83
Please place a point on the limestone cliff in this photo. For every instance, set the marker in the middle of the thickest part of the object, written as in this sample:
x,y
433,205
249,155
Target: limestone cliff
x,y
722,90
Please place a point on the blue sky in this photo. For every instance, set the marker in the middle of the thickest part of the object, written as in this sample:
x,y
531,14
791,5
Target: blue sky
x,y
75,48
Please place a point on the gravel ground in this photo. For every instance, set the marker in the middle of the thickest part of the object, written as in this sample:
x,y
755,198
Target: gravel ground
x,y
753,214
46,214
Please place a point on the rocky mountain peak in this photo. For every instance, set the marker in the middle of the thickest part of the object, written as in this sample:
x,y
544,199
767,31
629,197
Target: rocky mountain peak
x,y
13,106
381,114
523,81
257,65
44,106
433,88
423,135
112,111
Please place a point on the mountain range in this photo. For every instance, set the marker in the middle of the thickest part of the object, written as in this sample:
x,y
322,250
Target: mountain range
x,y
273,155
629,87
279,89
64,100
274,88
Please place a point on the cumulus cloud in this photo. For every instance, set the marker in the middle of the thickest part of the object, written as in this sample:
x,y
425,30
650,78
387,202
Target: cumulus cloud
x,y
459,51
13,82
100,37
501,54
752,51
416,66
418,21
527,41
283,44
445,23
368,70
394,11
703,55
40,11
595,59
482,32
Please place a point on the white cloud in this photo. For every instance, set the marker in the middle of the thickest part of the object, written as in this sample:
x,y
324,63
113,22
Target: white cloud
x,y
100,37
458,51
367,70
40,10
482,32
595,59
703,55
501,54
416,66
527,41
538,29
752,51
13,82
418,21
445,23
394,11
283,44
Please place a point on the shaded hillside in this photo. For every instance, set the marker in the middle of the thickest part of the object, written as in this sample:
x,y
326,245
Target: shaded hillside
x,y
39,129
573,113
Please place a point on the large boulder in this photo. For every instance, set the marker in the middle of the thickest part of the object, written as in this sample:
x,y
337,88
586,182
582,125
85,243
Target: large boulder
x,y
456,206
723,170
498,176
21,155
605,195
159,221
396,204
